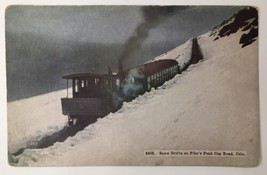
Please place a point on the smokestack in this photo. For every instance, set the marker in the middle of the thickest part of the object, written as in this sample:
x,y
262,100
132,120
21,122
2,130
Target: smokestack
x,y
152,16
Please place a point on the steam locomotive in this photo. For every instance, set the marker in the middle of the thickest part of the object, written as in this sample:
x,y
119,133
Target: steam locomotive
x,y
96,95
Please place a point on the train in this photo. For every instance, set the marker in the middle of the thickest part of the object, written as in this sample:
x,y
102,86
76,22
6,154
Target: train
x,y
96,95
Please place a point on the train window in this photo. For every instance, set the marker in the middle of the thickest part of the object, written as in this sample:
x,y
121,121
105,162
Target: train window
x,y
82,83
76,88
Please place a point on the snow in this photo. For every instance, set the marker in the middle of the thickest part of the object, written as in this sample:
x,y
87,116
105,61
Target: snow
x,y
211,106
33,118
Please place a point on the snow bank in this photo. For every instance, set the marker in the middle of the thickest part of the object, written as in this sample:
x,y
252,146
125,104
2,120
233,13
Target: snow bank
x,y
33,118
211,106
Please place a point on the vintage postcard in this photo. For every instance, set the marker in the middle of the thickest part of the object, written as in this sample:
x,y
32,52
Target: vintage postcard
x,y
132,85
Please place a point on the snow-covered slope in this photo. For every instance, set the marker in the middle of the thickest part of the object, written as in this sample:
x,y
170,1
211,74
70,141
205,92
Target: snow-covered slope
x,y
211,106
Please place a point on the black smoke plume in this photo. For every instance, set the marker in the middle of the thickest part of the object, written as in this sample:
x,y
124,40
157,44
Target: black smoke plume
x,y
152,16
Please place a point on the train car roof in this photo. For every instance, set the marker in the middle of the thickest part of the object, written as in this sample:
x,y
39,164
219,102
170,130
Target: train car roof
x,y
150,68
88,75
153,67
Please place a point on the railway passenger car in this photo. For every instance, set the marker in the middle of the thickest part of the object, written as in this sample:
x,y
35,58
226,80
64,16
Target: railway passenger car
x,y
91,95
142,78
96,95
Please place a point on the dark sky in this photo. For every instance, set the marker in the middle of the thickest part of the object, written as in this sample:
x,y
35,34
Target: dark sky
x,y
109,24
46,42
